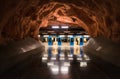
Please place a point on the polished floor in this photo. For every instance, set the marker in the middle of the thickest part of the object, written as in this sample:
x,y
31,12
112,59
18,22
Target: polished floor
x,y
62,62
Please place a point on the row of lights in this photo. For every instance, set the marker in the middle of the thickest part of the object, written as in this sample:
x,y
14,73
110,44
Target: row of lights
x,y
51,64
86,36
57,27
59,69
62,57
82,64
64,68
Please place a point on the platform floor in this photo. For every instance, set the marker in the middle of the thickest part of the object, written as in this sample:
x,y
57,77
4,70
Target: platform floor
x,y
62,62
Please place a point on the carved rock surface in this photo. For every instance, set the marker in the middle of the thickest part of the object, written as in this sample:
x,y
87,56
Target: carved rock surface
x,y
22,18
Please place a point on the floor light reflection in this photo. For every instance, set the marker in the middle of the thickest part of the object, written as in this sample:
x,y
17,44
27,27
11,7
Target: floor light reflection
x,y
64,69
83,64
55,69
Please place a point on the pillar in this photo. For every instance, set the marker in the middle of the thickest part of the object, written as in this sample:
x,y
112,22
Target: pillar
x,y
71,41
81,40
49,40
59,41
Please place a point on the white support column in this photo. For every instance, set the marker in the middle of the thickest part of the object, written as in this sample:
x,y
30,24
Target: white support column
x,y
75,43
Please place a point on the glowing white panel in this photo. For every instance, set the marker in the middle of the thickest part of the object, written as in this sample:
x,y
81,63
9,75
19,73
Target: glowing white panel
x,y
46,36
86,36
64,69
53,58
66,63
70,58
83,64
62,58
50,63
62,35
79,58
70,35
44,58
64,27
55,69
55,27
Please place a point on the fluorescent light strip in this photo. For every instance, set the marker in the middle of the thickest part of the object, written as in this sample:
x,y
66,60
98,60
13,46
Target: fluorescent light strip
x,y
44,58
62,35
46,36
86,36
55,27
64,27
70,35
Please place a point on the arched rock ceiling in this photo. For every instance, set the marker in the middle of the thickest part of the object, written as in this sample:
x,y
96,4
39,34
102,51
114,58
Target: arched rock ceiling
x,y
21,18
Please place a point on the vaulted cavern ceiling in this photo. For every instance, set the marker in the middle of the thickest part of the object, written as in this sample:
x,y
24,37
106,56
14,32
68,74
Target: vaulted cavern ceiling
x,y
22,18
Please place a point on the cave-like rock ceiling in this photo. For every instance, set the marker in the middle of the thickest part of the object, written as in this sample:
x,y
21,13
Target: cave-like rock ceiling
x,y
22,18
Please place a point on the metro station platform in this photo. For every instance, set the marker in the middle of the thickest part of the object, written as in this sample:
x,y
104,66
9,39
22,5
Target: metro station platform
x,y
62,62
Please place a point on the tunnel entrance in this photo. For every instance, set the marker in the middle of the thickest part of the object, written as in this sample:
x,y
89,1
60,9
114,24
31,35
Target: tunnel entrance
x,y
63,35
63,45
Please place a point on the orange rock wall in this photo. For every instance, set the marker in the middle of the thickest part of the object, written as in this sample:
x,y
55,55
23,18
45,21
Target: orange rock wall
x,y
22,18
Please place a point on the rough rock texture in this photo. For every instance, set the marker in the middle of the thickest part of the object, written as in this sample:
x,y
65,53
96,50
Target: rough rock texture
x,y
21,18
